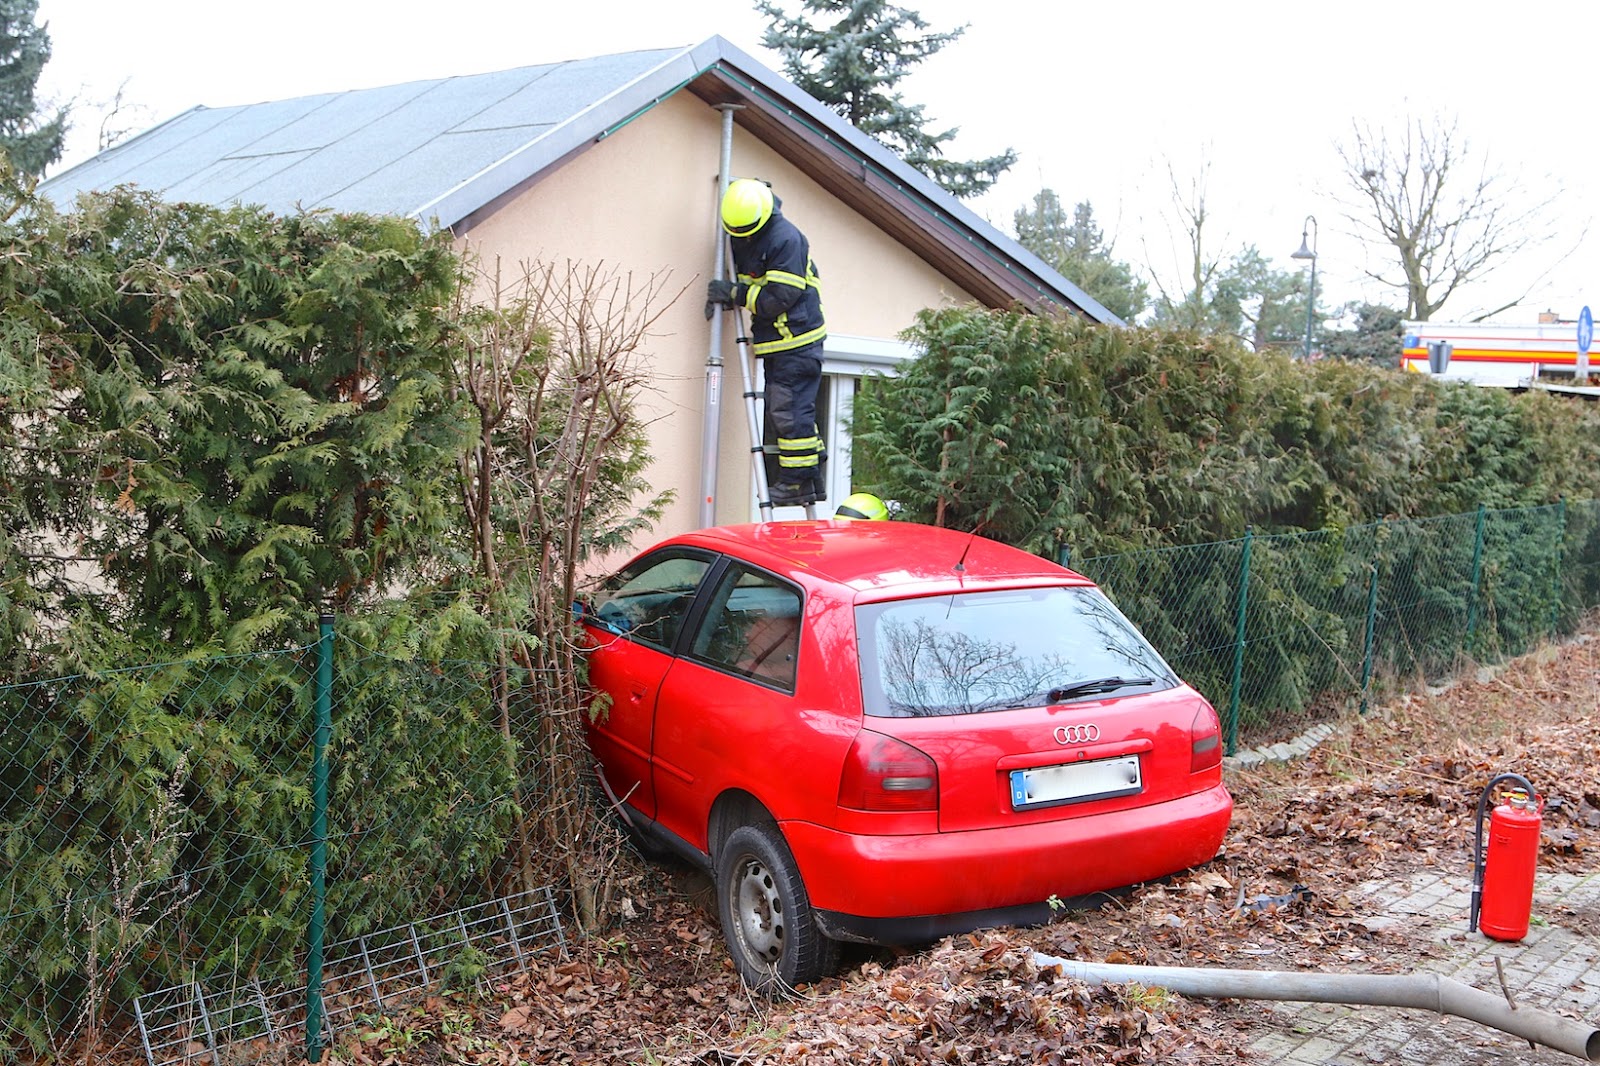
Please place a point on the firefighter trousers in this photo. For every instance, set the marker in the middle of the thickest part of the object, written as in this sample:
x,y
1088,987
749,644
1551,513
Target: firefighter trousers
x,y
792,382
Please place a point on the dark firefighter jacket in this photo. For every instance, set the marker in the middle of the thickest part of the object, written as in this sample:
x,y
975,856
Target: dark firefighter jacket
x,y
778,285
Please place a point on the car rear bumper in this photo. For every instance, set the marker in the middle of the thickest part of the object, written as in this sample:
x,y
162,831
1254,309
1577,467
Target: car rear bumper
x,y
855,878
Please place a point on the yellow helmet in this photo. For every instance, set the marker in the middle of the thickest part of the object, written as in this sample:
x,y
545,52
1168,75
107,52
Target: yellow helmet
x,y
746,206
862,505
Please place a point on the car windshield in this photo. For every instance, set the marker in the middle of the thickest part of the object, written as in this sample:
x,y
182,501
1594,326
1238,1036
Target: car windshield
x,y
989,651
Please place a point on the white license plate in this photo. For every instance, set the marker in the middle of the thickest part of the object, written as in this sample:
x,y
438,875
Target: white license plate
x,y
1075,782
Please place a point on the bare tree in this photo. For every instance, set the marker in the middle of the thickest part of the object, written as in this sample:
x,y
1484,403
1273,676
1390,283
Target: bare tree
x,y
1448,215
1196,266
119,118
1199,266
1238,292
555,362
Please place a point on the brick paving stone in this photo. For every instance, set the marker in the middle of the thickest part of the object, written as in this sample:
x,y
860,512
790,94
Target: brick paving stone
x,y
1393,1026
1568,968
1346,1033
1275,1047
1553,968
1317,1051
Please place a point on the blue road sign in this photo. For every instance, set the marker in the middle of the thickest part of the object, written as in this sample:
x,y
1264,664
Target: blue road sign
x,y
1585,330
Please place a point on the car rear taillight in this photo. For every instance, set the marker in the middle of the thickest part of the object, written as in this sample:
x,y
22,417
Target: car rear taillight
x,y
884,774
1205,739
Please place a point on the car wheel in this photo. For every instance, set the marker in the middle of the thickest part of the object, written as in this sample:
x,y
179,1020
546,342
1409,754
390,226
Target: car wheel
x,y
766,914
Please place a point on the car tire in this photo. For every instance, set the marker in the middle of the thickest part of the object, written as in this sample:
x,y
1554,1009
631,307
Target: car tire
x,y
766,914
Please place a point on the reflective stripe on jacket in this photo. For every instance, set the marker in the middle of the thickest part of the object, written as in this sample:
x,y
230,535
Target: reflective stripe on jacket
x,y
780,287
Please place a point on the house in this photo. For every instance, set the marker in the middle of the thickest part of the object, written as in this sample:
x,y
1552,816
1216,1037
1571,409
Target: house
x,y
616,159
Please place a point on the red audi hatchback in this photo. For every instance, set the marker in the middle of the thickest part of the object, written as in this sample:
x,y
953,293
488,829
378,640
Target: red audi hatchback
x,y
886,732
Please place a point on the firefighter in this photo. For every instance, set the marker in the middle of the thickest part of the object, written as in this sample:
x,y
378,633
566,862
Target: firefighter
x,y
777,283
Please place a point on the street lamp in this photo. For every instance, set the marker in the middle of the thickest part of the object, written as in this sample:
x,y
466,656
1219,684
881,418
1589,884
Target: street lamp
x,y
1309,251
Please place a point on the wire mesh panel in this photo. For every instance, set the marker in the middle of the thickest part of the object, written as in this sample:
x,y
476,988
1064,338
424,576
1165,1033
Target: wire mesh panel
x,y
1522,559
366,975
1579,563
151,828
423,796
1427,594
1304,627
1184,601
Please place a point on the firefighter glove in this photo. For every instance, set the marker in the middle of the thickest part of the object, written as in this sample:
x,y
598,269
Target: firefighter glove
x,y
721,293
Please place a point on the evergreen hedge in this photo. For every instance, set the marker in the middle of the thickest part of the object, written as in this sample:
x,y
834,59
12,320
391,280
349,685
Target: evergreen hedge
x,y
215,425
1043,432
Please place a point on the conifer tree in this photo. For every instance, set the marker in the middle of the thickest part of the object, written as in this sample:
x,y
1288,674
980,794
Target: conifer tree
x,y
1077,248
30,142
1376,339
854,62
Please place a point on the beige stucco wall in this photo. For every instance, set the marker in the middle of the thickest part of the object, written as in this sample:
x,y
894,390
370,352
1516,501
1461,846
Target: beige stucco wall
x,y
644,200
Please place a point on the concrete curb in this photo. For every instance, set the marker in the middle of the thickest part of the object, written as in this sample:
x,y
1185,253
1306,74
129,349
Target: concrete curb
x,y
1300,746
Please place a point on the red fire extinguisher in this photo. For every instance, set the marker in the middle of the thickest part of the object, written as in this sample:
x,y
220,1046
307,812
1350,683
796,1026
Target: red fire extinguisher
x,y
1502,880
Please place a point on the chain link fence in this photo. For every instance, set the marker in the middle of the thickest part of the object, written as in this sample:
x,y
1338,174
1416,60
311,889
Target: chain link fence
x,y
1280,631
227,859
217,856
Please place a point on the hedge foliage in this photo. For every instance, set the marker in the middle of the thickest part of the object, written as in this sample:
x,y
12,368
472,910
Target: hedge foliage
x,y
216,424
1044,432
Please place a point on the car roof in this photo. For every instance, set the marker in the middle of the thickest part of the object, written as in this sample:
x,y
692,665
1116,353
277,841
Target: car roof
x,y
883,559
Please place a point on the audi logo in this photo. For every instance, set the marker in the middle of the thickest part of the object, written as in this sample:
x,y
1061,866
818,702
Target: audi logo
x,y
1077,734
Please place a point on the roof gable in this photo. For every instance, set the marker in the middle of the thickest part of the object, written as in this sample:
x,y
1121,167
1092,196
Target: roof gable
x,y
446,151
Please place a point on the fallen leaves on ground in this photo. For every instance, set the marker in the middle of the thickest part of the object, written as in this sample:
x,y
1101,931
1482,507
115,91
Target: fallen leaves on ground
x,y
1392,793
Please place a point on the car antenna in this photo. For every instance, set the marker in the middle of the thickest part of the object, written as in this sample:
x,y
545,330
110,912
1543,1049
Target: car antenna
x,y
961,563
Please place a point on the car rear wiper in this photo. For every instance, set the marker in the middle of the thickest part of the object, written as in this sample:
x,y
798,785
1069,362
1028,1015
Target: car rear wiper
x,y
1053,695
1097,685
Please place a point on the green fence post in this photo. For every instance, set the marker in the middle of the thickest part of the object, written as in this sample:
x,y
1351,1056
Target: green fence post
x,y
1238,642
1064,556
1477,578
1372,619
1555,581
319,837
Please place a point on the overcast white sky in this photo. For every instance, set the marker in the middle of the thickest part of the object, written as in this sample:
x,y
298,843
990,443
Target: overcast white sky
x,y
1097,99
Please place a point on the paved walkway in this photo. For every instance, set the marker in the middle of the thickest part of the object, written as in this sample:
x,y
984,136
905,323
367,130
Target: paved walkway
x,y
1556,968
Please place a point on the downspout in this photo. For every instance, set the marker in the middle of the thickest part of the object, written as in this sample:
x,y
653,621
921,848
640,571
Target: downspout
x,y
711,430
1421,991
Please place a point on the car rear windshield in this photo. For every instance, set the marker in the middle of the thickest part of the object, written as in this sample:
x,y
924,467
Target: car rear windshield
x,y
989,651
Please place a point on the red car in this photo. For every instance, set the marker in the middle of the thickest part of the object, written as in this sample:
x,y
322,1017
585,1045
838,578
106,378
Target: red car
x,y
887,732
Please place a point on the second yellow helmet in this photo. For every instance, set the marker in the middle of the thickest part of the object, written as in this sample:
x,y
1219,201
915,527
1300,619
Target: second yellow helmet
x,y
863,505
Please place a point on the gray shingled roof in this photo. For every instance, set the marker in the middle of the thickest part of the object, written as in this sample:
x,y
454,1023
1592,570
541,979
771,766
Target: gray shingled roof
x,y
440,151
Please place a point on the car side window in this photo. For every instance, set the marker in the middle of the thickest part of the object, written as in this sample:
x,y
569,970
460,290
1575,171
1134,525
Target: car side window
x,y
649,600
752,627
